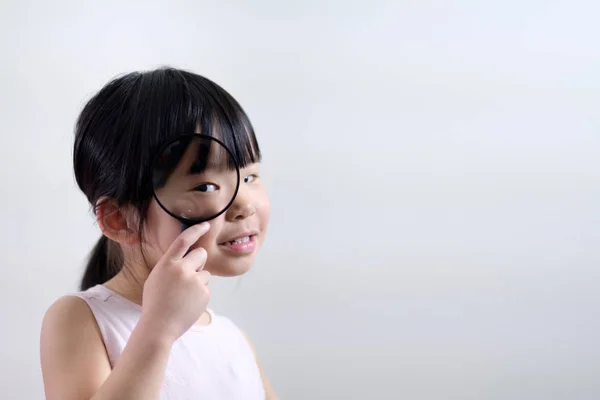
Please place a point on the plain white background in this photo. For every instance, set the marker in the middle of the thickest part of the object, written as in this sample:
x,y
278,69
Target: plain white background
x,y
433,169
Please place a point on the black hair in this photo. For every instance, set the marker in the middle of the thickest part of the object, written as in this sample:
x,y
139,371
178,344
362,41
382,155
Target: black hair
x,y
122,126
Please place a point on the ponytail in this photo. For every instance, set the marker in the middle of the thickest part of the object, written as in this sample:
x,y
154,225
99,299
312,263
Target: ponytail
x,y
104,262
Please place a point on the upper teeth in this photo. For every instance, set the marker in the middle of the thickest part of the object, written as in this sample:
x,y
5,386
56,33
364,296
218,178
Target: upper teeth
x,y
241,240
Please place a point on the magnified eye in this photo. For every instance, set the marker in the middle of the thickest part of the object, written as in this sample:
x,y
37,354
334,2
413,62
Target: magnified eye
x,y
249,178
195,178
206,187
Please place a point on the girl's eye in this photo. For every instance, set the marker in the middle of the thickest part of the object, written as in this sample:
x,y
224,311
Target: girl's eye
x,y
250,178
206,187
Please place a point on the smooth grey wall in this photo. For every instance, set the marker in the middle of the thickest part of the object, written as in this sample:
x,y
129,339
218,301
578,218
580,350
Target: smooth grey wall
x,y
433,169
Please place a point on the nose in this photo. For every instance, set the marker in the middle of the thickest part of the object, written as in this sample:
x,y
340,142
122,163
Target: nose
x,y
242,207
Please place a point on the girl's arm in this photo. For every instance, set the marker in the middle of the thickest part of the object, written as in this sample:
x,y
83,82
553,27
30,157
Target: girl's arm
x,y
75,365
74,361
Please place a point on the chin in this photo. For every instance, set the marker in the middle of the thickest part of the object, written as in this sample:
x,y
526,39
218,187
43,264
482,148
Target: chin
x,y
229,266
229,271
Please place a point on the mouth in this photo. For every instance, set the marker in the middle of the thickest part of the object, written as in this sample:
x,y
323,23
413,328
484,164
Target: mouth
x,y
244,243
238,239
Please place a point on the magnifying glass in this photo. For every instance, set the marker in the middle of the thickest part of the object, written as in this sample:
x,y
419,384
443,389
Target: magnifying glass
x,y
195,178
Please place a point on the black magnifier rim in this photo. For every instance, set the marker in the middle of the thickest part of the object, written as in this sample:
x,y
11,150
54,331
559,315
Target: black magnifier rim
x,y
191,136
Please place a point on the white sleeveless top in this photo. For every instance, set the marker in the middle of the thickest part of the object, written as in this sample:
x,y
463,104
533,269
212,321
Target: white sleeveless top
x,y
209,362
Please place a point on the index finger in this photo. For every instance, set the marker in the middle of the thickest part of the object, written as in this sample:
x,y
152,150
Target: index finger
x,y
185,240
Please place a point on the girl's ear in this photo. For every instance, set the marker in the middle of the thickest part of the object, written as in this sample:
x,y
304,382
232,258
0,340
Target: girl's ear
x,y
116,222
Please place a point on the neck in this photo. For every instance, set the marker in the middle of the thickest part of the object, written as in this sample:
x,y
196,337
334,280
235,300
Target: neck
x,y
129,282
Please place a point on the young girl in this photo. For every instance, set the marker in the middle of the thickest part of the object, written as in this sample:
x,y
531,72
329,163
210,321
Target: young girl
x,y
139,328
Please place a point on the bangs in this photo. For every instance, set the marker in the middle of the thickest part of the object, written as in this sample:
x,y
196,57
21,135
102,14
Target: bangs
x,y
167,103
219,115
191,103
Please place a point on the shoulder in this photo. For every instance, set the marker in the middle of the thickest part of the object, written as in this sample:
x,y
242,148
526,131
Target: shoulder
x,y
66,311
67,322
71,348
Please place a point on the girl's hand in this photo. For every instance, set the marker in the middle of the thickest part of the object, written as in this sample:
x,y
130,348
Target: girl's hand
x,y
176,292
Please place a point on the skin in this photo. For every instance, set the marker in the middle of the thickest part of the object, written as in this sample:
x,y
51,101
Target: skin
x,y
74,361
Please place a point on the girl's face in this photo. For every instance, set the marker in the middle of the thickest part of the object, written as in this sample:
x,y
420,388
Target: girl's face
x,y
234,237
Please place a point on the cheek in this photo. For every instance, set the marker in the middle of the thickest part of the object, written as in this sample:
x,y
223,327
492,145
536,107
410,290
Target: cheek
x,y
208,241
161,229
263,211
264,206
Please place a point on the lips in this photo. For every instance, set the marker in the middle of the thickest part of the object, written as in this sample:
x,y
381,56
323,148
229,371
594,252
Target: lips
x,y
240,238
240,245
